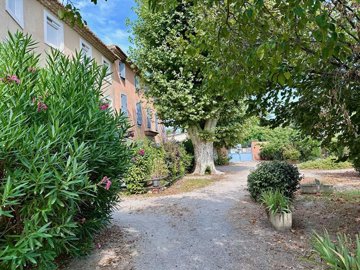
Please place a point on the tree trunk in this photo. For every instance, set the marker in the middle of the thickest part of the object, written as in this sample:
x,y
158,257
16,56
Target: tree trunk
x,y
203,149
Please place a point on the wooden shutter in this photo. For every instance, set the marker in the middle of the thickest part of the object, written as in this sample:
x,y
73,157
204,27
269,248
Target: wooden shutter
x,y
138,114
124,104
122,70
148,118
156,122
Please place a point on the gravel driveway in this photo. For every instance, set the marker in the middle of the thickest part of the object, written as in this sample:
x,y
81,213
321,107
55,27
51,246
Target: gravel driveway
x,y
199,230
195,230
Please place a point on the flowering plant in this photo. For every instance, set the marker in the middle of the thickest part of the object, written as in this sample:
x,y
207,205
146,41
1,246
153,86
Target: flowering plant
x,y
11,79
51,163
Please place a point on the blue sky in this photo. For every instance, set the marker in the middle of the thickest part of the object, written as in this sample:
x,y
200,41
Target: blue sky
x,y
107,20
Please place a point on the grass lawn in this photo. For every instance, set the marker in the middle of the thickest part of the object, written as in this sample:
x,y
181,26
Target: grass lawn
x,y
190,184
325,164
183,185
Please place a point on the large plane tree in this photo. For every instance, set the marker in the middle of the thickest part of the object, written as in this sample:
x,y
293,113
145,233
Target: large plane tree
x,y
181,76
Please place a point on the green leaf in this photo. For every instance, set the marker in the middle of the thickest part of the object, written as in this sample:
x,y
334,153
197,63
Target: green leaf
x,y
260,52
287,75
281,79
61,14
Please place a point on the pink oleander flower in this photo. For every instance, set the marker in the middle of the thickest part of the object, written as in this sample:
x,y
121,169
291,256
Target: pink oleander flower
x,y
13,78
108,185
106,181
41,106
104,106
141,152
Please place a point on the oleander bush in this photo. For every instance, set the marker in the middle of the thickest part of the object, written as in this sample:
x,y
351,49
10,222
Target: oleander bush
x,y
62,154
274,175
178,161
167,161
148,162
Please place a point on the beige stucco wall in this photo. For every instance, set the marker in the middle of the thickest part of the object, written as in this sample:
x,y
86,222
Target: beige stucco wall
x,y
34,25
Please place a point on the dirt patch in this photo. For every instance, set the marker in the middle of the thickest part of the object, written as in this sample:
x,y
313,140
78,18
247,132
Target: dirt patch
x,y
345,179
114,249
251,217
172,209
336,213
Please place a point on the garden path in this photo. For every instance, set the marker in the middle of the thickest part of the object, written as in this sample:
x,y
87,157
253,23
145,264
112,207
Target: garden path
x,y
202,229
196,231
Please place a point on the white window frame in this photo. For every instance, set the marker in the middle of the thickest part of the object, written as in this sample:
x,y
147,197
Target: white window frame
x,y
89,52
61,31
108,77
19,18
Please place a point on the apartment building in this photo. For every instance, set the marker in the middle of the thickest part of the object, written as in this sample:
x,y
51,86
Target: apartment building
x,y
121,87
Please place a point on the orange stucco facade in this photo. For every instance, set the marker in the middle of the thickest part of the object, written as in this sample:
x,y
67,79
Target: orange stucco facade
x,y
134,96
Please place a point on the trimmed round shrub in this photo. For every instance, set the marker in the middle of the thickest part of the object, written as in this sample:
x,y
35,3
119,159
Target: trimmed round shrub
x,y
274,175
62,155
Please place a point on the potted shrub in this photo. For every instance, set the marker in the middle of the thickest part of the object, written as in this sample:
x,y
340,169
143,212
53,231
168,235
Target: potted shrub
x,y
274,175
278,209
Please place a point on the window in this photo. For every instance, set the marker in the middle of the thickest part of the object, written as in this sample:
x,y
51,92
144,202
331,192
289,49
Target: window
x,y
16,10
122,70
156,122
137,82
138,114
148,118
53,32
85,48
106,63
124,109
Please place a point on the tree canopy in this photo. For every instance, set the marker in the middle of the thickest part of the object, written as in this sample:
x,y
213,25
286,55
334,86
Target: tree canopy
x,y
179,74
299,60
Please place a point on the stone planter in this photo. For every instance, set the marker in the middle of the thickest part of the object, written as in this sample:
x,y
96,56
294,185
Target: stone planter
x,y
326,188
310,188
314,188
281,221
156,182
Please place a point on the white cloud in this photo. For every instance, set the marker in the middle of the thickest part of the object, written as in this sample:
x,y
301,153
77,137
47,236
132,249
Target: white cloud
x,y
107,20
82,4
